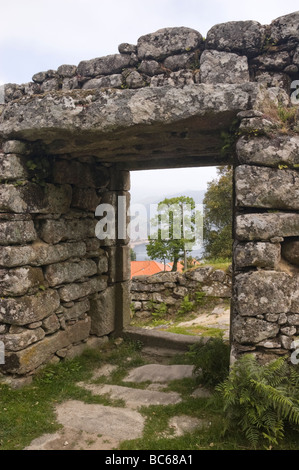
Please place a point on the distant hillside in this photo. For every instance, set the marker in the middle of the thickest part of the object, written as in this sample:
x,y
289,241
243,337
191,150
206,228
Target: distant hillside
x,y
198,197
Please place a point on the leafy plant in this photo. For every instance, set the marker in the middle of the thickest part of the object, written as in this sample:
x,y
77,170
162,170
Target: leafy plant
x,y
261,399
157,310
200,297
211,360
186,306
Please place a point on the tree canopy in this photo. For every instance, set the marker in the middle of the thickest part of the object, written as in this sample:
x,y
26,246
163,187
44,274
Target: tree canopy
x,y
177,228
217,226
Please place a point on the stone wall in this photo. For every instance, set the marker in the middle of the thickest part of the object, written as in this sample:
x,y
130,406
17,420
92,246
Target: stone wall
x,y
233,52
68,140
266,285
58,282
170,288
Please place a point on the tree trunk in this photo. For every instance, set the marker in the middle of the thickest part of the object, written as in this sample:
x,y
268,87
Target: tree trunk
x,y
175,264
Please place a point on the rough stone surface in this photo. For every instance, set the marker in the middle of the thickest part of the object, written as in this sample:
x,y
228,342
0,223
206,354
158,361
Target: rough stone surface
x,y
133,397
33,198
243,37
76,291
28,309
16,342
223,67
267,226
17,232
28,359
290,251
20,281
102,312
265,151
262,255
168,41
253,330
76,310
69,272
39,254
267,187
119,423
285,28
159,373
108,65
55,231
12,167
263,292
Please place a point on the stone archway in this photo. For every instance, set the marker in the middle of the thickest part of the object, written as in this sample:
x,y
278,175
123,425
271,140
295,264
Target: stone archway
x,y
69,140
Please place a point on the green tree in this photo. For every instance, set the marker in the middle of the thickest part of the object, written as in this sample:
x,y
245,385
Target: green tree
x,y
132,254
173,237
218,203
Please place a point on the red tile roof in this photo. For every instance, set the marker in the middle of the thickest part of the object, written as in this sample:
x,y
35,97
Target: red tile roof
x,y
147,268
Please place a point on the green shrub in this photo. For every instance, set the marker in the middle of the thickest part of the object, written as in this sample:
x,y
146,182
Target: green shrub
x,y
186,306
211,360
261,399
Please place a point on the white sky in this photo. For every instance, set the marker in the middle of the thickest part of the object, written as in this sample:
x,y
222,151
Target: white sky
x,y
38,35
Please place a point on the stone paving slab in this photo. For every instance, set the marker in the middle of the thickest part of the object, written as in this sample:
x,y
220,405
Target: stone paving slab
x,y
159,373
116,423
73,439
134,397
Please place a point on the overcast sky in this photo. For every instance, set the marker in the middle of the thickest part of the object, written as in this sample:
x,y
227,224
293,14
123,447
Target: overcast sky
x,y
37,35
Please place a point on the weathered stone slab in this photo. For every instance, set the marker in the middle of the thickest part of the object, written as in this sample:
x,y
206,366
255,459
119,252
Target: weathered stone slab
x,y
285,29
16,146
223,67
266,226
262,255
160,373
119,263
34,198
20,281
267,187
29,359
54,231
102,312
28,309
85,198
109,81
68,272
118,423
12,167
265,151
263,292
168,41
253,330
134,397
17,232
108,65
104,111
76,310
39,254
76,291
51,324
243,37
79,174
22,339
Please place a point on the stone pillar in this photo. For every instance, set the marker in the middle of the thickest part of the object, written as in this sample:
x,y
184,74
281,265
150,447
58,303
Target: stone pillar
x,y
265,315
110,311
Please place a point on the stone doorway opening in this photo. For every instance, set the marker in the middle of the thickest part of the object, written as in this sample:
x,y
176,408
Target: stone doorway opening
x,y
193,301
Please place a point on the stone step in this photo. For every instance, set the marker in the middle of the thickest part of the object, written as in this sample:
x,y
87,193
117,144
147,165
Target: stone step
x,y
134,397
155,339
159,373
